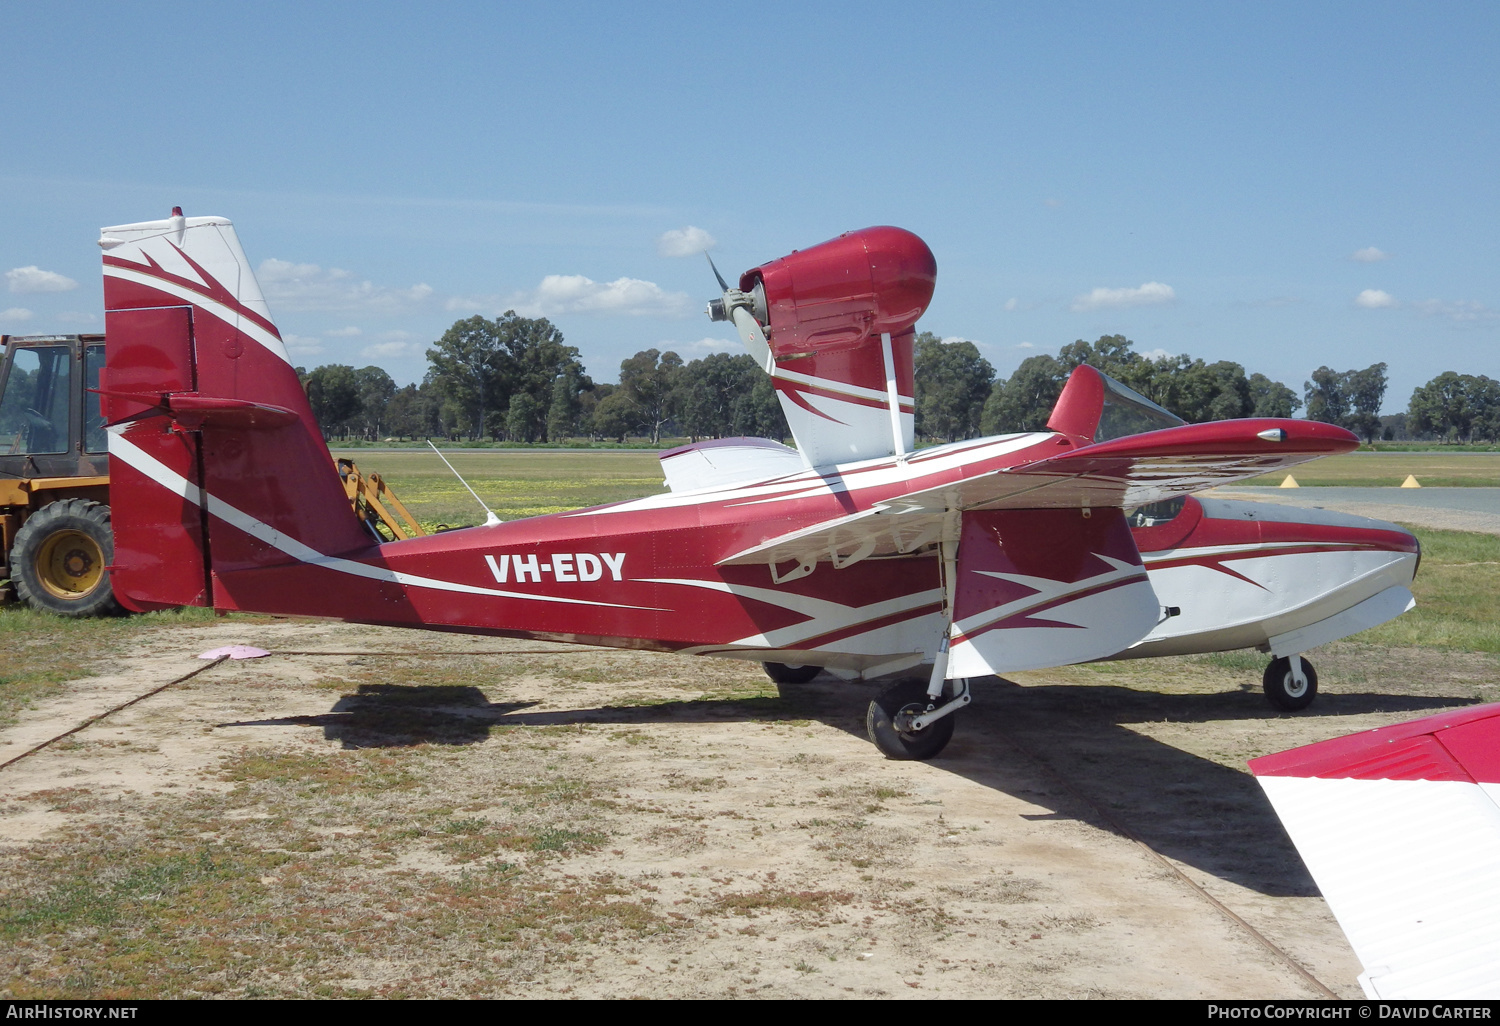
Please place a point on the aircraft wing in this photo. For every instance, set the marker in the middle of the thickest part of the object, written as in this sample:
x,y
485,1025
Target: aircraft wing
x,y
1400,827
1122,473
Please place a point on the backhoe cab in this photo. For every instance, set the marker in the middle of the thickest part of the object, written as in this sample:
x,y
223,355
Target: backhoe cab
x,y
55,540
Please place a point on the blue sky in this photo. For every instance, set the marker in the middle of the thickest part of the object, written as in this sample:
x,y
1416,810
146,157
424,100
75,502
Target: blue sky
x,y
1284,185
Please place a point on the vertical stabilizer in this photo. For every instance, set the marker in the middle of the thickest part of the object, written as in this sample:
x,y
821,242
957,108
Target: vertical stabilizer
x,y
211,433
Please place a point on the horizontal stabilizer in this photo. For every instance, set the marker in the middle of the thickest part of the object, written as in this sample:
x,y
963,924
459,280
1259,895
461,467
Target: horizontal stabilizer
x,y
722,462
1400,827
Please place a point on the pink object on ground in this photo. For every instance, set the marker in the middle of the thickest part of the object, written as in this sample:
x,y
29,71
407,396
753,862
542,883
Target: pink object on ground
x,y
234,652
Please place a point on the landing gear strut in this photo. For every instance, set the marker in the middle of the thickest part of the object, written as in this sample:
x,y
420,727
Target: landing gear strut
x,y
910,719
1290,683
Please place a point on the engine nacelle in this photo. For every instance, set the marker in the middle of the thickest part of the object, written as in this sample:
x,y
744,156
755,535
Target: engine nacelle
x,y
840,293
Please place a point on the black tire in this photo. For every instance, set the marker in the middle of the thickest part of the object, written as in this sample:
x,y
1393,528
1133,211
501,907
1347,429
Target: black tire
x,y
1283,691
908,697
59,559
782,673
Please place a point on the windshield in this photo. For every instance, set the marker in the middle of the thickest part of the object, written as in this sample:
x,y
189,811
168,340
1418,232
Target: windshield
x,y
34,409
1127,412
94,437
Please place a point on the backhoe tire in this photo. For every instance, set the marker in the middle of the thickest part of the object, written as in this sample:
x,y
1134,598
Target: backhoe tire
x,y
59,559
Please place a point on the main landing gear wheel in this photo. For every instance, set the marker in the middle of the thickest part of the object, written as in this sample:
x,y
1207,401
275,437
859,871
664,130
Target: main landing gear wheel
x,y
60,556
889,723
783,673
1282,688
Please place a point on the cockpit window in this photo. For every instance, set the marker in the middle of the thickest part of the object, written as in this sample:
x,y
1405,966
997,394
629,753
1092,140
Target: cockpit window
x,y
1127,412
1157,513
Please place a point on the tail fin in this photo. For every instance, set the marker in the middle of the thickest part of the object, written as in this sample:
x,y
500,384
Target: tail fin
x,y
217,464
840,319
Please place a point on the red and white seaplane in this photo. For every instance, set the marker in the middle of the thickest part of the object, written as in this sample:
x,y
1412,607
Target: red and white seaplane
x,y
853,552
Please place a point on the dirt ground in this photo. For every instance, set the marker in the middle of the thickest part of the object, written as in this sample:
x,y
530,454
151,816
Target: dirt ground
x,y
452,816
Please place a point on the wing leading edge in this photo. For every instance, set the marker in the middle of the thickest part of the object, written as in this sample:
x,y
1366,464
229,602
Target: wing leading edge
x,y
1121,473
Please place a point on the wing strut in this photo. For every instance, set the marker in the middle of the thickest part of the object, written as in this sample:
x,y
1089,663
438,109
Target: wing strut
x,y
892,394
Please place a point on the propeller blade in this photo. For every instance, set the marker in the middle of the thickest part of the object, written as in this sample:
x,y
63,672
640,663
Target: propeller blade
x,y
723,286
754,338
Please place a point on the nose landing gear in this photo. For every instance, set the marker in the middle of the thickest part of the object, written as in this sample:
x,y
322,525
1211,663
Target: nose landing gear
x,y
1290,683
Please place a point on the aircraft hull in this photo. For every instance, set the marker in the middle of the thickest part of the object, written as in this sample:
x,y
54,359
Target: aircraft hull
x,y
1246,574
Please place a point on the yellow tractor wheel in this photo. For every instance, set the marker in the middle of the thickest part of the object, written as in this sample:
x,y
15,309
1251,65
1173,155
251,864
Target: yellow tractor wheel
x,y
60,558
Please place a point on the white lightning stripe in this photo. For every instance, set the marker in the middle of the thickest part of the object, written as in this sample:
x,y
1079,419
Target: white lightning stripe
x,y
1048,589
229,316
826,616
122,448
843,387
1247,547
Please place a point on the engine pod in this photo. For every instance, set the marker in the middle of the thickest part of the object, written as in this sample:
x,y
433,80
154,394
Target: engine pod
x,y
836,295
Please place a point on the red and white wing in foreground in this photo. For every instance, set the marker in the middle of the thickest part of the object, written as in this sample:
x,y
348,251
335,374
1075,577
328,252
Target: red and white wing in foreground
x,y
1400,827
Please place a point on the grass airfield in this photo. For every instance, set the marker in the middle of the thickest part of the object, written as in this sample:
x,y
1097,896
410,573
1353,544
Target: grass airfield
x,y
1390,469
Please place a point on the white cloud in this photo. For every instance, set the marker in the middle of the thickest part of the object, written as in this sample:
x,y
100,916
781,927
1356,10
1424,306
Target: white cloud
x,y
347,332
15,313
1012,303
705,345
573,294
292,286
1369,255
1150,293
1157,354
1024,345
1375,299
74,317
34,279
1053,203
1456,309
681,242
302,345
471,304
1273,302
387,350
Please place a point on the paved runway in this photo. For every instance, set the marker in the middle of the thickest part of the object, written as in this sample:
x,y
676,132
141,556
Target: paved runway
x,y
1454,509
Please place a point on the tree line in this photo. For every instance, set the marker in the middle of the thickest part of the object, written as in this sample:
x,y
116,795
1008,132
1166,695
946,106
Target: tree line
x,y
515,379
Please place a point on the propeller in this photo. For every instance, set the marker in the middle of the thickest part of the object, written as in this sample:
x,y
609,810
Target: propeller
x,y
723,286
748,312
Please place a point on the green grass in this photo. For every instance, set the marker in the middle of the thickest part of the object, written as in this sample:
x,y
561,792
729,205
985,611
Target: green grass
x,y
1242,659
1430,447
101,898
1389,469
42,651
513,483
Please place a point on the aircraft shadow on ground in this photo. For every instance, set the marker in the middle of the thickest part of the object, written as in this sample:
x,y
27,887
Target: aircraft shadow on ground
x,y
1066,749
